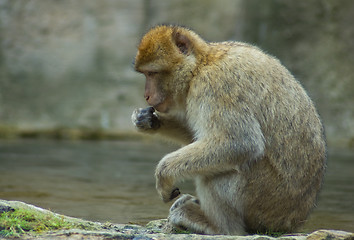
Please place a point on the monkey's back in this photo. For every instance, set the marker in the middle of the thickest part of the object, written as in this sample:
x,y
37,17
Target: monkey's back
x,y
281,187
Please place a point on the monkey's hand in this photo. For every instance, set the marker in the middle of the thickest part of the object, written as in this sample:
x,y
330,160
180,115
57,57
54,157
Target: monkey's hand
x,y
145,119
165,184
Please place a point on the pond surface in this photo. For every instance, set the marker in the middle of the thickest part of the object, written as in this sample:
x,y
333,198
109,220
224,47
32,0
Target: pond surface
x,y
114,181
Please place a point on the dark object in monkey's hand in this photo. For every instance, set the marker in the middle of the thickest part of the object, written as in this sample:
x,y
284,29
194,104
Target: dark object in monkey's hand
x,y
147,119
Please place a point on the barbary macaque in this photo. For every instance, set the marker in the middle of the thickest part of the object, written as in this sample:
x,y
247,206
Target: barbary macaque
x,y
253,141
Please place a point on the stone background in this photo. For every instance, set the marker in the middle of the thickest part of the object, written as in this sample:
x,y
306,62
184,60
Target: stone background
x,y
68,63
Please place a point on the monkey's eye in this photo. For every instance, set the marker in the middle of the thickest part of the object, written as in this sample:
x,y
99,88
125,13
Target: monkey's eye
x,y
150,74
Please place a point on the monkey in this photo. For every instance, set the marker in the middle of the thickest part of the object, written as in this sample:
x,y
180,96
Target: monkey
x,y
251,137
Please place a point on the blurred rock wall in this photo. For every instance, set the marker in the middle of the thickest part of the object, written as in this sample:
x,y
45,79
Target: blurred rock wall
x,y
314,39
67,63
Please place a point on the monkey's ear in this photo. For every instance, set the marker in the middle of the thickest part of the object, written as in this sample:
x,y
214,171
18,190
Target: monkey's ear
x,y
182,42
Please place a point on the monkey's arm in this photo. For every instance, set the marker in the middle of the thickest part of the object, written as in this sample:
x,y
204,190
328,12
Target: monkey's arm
x,y
211,155
148,121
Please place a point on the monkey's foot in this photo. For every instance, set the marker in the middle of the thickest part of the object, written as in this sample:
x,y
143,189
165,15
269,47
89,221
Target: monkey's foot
x,y
182,200
186,214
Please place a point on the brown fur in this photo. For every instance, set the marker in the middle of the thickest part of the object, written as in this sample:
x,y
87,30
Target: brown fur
x,y
254,142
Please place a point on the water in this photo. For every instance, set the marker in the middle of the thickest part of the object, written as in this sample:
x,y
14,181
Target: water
x,y
114,181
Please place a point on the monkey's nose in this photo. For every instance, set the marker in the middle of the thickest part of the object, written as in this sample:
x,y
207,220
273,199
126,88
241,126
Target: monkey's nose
x,y
147,98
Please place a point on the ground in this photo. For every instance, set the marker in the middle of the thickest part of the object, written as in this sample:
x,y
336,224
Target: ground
x,y
25,221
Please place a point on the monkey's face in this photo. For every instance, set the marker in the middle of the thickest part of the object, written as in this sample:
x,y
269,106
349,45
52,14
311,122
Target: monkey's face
x,y
163,62
155,93
157,86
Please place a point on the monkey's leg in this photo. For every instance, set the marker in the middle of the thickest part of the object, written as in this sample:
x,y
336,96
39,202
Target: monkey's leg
x,y
204,157
186,213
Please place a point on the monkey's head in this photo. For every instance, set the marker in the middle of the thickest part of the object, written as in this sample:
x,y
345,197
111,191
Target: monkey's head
x,y
167,56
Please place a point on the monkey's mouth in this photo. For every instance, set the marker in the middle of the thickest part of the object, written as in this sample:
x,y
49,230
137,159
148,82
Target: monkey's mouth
x,y
161,107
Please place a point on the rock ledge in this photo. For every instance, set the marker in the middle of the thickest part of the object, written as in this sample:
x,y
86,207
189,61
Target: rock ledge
x,y
153,230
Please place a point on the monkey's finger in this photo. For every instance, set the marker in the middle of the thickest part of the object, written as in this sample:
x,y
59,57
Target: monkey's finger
x,y
151,109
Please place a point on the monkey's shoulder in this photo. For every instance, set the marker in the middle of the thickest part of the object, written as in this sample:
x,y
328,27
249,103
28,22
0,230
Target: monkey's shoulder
x,y
231,52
